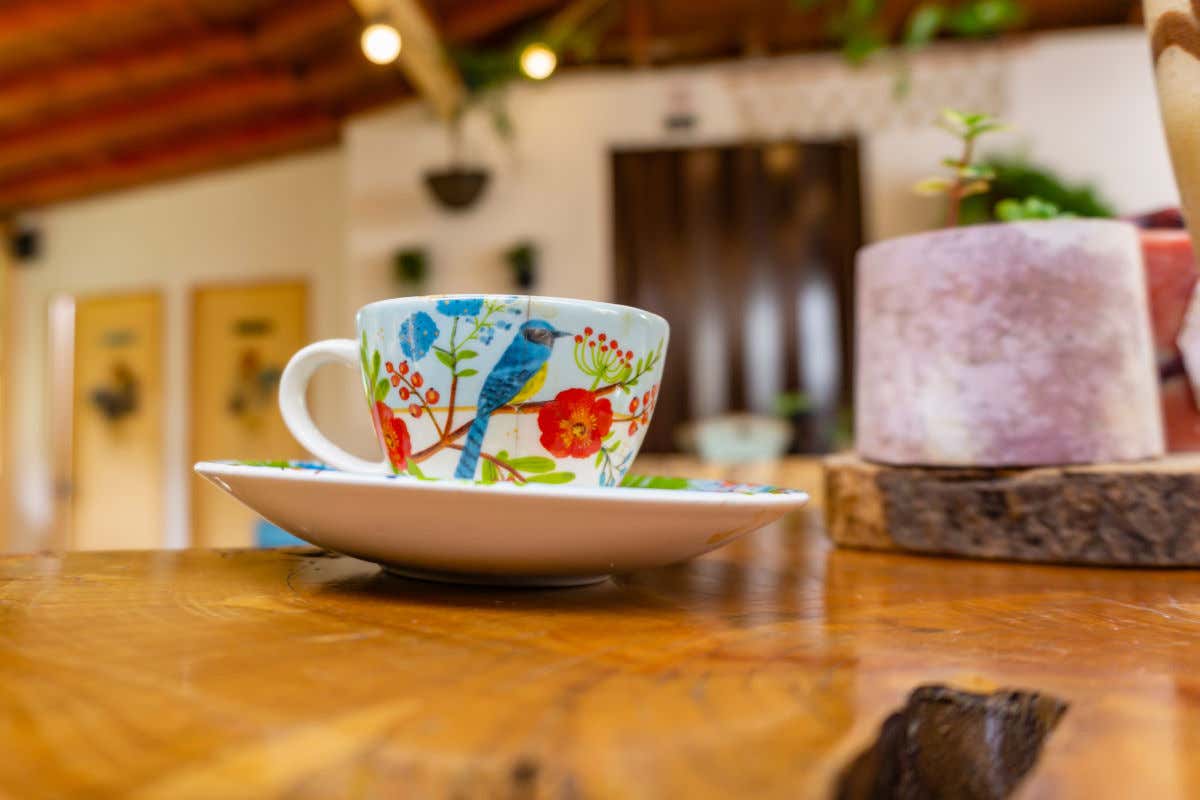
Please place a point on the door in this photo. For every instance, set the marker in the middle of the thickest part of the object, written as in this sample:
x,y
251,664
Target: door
x,y
242,336
748,251
117,423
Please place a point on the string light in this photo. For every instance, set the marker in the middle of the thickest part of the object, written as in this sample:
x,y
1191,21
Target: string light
x,y
538,61
380,43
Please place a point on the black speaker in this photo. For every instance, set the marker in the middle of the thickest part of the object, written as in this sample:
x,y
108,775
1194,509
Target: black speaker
x,y
25,245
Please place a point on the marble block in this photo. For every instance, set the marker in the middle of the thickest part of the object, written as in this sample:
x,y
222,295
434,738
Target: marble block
x,y
1011,344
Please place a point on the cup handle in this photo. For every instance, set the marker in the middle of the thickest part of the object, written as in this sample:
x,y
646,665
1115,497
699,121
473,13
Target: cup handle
x,y
293,404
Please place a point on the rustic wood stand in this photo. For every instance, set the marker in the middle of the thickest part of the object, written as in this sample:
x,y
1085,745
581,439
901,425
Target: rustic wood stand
x,y
1144,514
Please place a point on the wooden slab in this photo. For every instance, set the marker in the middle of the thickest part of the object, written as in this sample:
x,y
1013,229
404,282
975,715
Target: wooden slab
x,y
1134,514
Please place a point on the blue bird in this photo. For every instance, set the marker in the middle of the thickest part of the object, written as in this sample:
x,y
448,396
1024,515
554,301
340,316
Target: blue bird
x,y
522,362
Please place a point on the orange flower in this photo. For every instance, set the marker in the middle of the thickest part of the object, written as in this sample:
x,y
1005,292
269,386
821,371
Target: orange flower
x,y
395,435
574,423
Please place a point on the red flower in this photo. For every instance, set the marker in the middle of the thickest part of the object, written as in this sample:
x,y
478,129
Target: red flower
x,y
588,331
578,339
574,422
395,435
603,336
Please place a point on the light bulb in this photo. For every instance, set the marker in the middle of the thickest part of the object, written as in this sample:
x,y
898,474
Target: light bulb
x,y
538,61
380,43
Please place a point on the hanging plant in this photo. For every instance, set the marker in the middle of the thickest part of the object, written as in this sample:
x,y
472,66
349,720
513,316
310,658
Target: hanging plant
x,y
522,259
410,266
859,27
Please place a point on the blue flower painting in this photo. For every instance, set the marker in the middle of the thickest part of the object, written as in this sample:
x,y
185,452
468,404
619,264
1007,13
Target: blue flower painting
x,y
417,335
461,307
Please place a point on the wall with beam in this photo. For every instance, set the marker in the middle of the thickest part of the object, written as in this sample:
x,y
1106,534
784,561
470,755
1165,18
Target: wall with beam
x,y
1083,103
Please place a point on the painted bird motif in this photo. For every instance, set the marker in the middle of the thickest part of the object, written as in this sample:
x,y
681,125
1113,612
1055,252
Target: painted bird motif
x,y
517,376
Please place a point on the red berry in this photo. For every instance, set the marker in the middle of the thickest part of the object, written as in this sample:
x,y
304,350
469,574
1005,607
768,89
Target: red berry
x,y
645,417
415,410
388,366
432,396
404,392
403,367
417,380
395,380
633,406
629,355
633,428
613,344
587,331
578,338
646,399
603,336
591,344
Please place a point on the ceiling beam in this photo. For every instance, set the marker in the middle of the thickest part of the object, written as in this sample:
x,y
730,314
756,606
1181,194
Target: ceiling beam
x,y
637,26
201,151
422,57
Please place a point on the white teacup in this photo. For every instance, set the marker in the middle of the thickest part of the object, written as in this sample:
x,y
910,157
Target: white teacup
x,y
496,388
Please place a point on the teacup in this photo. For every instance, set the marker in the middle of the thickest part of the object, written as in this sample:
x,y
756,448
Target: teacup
x,y
493,388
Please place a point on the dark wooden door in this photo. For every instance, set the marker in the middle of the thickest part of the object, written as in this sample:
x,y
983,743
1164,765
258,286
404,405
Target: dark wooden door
x,y
748,251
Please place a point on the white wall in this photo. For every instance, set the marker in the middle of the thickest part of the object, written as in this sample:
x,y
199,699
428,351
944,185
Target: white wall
x,y
279,219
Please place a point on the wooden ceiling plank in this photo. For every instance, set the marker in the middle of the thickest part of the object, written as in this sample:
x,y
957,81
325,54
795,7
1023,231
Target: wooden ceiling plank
x,y
422,57
482,18
199,152
49,90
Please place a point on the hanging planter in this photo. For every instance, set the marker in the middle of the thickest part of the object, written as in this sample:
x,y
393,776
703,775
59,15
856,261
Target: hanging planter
x,y
456,187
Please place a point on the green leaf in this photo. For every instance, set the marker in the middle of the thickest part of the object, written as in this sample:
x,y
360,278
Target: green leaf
x,y
374,365
532,464
463,355
933,186
599,457
608,436
415,471
445,358
552,477
631,481
489,472
923,25
466,373
1013,210
381,389
973,188
861,45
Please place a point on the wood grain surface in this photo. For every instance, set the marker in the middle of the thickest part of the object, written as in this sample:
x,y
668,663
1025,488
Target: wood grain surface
x,y
759,671
1142,513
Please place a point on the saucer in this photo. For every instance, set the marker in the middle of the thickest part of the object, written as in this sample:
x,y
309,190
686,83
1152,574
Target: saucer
x,y
503,534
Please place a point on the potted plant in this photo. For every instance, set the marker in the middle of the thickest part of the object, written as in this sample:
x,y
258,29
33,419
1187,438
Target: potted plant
x,y
457,186
1020,342
522,259
410,266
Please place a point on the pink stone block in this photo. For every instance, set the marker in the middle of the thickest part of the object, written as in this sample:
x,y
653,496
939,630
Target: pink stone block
x,y
1006,345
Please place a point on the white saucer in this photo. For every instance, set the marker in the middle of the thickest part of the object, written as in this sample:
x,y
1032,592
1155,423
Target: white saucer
x,y
501,534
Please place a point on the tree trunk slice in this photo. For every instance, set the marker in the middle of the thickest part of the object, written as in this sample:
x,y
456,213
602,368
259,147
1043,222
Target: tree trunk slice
x,y
1144,514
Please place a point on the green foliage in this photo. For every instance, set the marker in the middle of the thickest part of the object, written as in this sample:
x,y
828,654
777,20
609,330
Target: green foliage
x,y
860,28
410,265
1014,210
1017,178
967,178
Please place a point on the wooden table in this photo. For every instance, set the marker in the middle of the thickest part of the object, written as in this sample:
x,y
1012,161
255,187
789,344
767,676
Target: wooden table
x,y
757,671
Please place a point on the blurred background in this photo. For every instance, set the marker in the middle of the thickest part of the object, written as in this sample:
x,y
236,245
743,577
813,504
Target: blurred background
x,y
193,189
